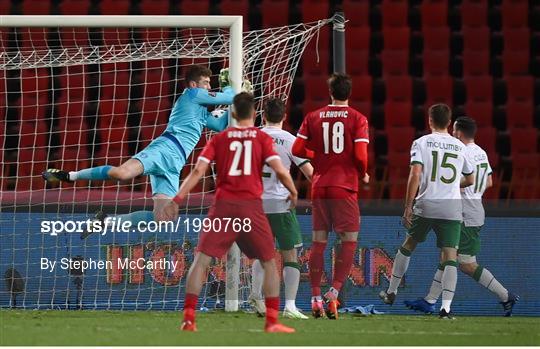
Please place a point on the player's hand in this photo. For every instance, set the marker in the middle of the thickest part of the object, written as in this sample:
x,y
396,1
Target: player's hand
x,y
406,220
168,213
365,179
293,200
224,80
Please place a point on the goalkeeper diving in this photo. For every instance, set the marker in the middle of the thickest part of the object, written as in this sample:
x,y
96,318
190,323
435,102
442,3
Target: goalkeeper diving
x,y
163,159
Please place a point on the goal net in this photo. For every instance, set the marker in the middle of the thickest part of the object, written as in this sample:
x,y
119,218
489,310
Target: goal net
x,y
74,98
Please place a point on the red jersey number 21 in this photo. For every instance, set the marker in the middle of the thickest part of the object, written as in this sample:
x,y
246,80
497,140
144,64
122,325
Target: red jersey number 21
x,y
239,147
336,138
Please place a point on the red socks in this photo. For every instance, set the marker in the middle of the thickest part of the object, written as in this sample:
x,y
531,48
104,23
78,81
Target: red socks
x,y
272,310
342,266
316,266
189,307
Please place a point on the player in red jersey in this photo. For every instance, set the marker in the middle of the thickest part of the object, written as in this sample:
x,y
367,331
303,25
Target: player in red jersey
x,y
335,138
240,153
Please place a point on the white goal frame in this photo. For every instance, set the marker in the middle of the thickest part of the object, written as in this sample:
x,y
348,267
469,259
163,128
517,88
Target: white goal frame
x,y
233,23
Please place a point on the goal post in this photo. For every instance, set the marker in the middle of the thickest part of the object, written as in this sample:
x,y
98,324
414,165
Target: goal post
x,y
73,102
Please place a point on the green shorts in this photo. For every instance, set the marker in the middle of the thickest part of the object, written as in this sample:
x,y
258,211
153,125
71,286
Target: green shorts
x,y
286,229
469,243
448,231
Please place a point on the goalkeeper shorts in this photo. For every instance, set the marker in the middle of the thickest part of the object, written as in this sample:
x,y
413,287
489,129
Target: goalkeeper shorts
x,y
162,161
229,223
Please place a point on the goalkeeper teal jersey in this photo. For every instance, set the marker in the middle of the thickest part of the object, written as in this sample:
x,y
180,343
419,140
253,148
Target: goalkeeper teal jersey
x,y
190,115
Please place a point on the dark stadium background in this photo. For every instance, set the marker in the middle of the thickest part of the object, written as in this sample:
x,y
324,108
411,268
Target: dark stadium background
x,y
480,57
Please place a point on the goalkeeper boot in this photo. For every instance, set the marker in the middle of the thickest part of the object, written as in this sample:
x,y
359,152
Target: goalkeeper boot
x,y
387,298
446,315
294,314
53,175
99,216
257,305
508,306
188,326
278,328
421,305
317,308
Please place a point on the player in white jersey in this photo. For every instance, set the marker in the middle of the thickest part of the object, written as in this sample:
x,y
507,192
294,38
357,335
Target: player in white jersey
x,y
437,160
282,220
473,220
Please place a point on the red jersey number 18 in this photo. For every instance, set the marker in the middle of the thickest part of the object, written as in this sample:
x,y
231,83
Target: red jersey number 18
x,y
338,143
239,147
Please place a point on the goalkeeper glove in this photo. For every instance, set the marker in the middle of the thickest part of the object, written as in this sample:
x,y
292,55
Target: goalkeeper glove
x,y
224,80
247,87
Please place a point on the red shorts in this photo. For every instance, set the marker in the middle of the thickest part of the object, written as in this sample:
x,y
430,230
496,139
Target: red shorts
x,y
335,209
252,231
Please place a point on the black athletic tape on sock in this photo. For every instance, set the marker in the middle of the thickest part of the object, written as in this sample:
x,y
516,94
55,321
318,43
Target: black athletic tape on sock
x,y
451,263
477,273
404,251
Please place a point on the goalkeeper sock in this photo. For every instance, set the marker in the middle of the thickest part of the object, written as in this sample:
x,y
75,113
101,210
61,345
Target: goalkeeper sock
x,y
344,260
257,278
94,173
486,279
291,279
316,266
448,283
401,264
136,217
272,310
436,287
189,307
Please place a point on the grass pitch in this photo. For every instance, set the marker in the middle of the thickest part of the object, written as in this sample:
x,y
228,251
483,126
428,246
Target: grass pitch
x,y
27,327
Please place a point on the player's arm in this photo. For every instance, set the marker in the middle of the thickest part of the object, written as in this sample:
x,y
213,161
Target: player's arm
x,y
219,123
284,177
307,170
300,149
468,174
413,182
489,183
203,97
361,155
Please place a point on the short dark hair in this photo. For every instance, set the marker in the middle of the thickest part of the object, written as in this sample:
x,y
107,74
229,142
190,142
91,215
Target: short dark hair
x,y
340,86
274,110
440,115
466,125
243,105
195,72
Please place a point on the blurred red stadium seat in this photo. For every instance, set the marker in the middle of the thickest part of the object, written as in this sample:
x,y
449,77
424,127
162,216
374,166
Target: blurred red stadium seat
x,y
357,12
476,39
194,7
398,87
436,39
515,14
481,111
154,111
519,114
114,7
235,7
310,65
116,36
154,7
31,162
479,88
72,81
397,113
434,14
314,10
275,13
519,88
74,7
474,13
316,88
33,134
439,89
399,139
516,39
74,37
525,182
362,89
35,82
486,138
515,62
114,85
396,38
36,7
31,108
395,62
475,63
113,113
435,62
34,38
523,140
394,13
357,61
